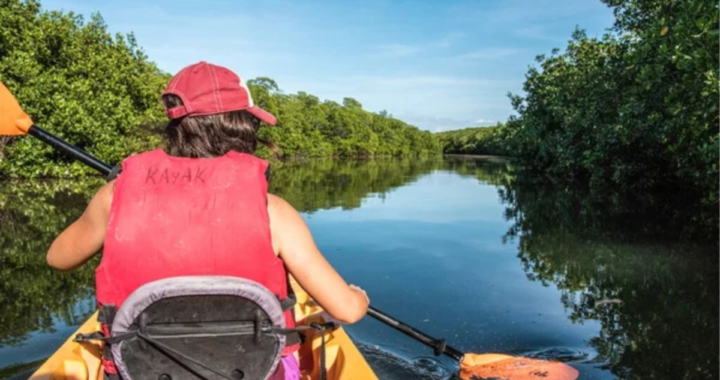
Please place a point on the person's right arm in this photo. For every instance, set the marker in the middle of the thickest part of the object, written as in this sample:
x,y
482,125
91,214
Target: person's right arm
x,y
296,247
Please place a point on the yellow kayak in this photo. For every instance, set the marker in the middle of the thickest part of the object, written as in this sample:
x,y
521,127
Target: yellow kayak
x,y
81,361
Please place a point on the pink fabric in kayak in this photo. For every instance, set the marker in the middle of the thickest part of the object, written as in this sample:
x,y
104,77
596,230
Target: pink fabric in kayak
x,y
292,368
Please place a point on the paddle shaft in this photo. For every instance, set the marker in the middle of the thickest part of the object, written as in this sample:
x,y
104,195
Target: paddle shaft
x,y
70,150
438,345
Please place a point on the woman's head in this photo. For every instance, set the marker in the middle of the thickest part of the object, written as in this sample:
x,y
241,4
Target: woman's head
x,y
211,112
210,135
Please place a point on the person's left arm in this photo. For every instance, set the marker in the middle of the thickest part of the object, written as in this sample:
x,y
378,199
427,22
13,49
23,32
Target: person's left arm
x,y
85,237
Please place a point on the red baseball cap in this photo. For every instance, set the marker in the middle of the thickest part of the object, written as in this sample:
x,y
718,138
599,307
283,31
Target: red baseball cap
x,y
207,89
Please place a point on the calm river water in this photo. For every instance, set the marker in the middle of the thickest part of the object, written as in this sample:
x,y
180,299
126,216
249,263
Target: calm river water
x,y
458,247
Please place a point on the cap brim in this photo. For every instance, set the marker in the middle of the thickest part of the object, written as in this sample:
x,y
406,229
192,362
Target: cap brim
x,y
263,115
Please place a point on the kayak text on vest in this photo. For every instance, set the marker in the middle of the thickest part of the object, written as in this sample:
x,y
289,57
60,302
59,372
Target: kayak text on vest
x,y
154,176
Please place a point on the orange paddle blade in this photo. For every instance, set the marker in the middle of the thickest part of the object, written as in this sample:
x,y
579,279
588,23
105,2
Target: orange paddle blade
x,y
496,366
13,121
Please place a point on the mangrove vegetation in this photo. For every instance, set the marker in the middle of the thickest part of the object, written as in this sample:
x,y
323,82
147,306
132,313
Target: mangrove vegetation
x,y
101,92
633,111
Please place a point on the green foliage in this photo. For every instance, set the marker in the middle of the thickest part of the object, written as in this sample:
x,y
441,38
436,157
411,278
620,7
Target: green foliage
x,y
308,127
33,296
494,171
635,111
619,262
326,183
79,82
101,93
483,140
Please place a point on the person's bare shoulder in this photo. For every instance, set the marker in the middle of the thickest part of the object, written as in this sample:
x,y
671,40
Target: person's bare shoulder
x,y
274,201
278,207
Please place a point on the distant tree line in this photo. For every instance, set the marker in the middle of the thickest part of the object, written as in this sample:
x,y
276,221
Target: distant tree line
x,y
101,93
482,141
308,127
635,110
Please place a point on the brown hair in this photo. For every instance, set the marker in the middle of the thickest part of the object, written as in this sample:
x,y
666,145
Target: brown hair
x,y
212,135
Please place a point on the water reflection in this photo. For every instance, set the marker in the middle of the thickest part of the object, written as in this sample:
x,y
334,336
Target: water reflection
x,y
33,297
39,306
327,183
627,264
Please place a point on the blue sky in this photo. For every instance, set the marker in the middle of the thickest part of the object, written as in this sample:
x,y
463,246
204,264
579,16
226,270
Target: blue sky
x,y
436,64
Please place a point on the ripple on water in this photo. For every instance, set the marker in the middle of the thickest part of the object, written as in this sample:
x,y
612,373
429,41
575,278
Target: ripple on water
x,y
388,366
562,354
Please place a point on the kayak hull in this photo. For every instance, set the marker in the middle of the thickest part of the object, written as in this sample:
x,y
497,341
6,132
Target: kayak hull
x,y
81,361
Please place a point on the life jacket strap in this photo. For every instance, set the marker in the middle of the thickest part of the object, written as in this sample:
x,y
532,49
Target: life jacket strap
x,y
99,336
287,303
106,317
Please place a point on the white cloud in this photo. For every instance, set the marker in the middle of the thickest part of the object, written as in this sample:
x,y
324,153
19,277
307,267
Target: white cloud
x,y
523,11
424,80
449,40
435,123
405,50
537,32
441,124
487,54
398,50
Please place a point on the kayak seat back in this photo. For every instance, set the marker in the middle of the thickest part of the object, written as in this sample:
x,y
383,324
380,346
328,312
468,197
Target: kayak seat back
x,y
199,327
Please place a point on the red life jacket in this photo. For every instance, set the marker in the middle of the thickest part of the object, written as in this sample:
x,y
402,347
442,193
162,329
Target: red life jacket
x,y
175,216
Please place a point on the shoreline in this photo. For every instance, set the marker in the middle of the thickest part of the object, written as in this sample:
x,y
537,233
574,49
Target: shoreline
x,y
488,157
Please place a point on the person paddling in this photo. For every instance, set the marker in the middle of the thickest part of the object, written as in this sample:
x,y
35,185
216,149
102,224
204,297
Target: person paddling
x,y
200,206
